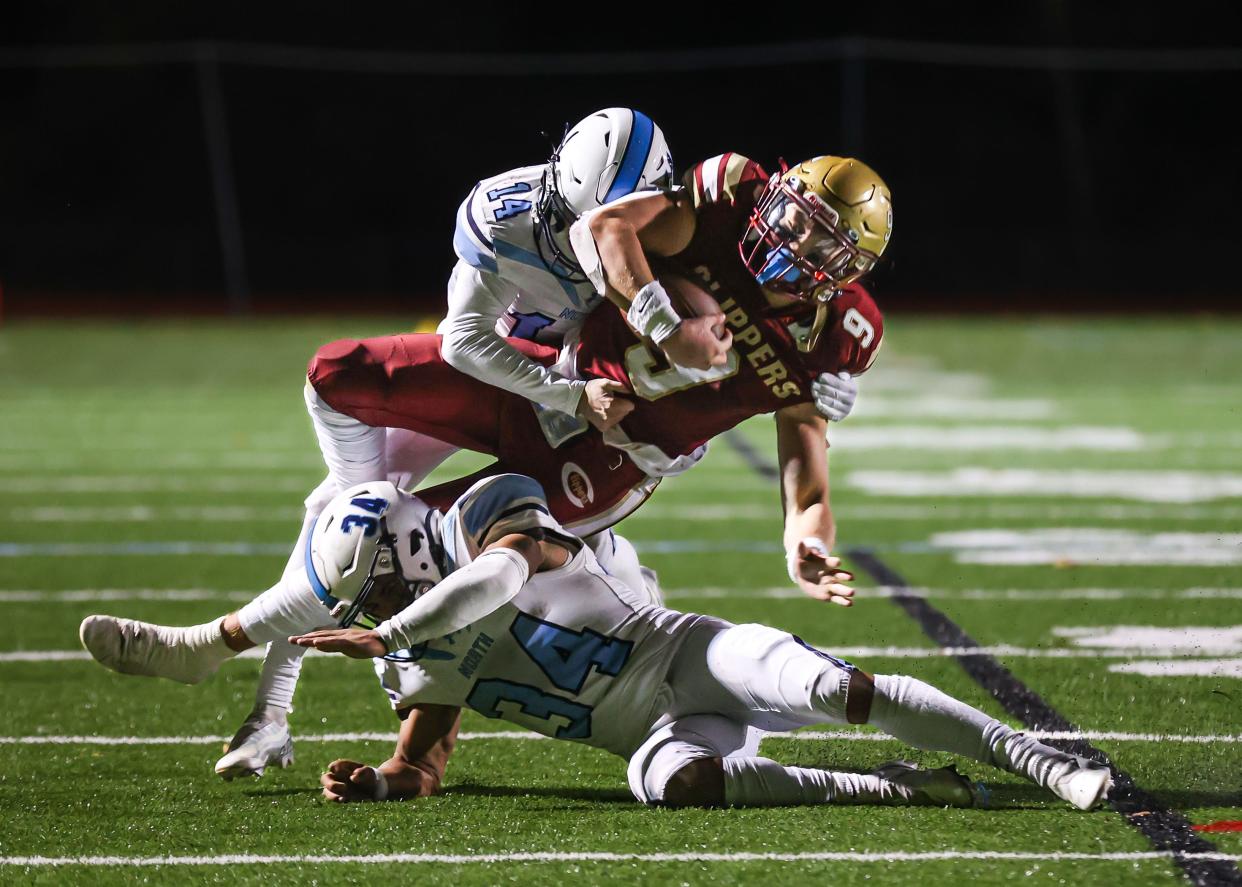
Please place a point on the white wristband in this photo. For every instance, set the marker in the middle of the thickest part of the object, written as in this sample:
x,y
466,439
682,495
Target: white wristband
x,y
813,543
652,314
381,784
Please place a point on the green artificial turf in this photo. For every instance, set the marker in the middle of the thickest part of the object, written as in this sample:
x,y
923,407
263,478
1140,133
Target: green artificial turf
x,y
124,434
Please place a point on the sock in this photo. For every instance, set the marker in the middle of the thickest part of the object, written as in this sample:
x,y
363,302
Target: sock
x,y
1023,755
920,715
206,643
353,451
274,696
761,782
412,456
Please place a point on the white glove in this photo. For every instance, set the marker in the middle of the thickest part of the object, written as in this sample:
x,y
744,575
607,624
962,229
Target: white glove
x,y
834,395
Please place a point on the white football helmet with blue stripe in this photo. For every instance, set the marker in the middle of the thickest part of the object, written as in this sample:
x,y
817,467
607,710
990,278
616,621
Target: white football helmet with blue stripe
x,y
373,551
605,156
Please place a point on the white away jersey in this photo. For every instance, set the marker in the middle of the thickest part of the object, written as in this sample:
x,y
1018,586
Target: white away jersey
x,y
496,231
576,655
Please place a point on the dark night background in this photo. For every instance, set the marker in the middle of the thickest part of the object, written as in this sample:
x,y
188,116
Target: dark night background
x,y
1042,187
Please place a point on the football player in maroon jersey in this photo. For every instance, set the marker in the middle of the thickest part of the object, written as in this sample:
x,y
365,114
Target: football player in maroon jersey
x,y
773,262
782,255
781,258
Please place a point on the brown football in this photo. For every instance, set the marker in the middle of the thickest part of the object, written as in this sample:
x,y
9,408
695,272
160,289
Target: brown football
x,y
690,299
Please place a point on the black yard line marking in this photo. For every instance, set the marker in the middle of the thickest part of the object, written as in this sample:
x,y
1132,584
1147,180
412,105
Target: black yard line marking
x,y
1166,829
755,460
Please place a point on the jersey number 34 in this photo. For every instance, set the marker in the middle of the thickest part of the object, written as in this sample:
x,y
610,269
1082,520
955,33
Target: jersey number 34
x,y
566,657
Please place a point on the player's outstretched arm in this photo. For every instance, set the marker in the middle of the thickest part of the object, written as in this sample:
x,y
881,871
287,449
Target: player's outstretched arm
x,y
810,530
481,587
416,768
613,243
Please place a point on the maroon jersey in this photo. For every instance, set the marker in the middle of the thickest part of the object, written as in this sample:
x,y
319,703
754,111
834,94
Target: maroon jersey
x,y
680,409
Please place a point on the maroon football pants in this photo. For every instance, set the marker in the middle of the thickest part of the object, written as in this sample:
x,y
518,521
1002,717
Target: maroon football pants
x,y
403,382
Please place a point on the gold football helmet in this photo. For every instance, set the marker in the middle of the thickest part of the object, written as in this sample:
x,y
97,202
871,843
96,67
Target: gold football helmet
x,y
817,227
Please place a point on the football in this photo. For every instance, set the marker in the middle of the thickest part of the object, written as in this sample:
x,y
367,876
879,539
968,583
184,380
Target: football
x,y
690,299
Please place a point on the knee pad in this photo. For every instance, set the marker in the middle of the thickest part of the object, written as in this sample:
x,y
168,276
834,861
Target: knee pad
x,y
675,745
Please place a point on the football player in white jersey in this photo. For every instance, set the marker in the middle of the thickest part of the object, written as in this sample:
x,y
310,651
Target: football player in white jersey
x,y
497,608
516,276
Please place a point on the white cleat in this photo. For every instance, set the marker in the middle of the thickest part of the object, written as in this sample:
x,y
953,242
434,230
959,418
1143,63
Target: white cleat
x,y
142,648
256,745
651,582
1081,782
942,787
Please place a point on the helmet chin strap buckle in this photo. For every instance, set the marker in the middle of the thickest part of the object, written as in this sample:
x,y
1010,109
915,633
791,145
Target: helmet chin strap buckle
x,y
339,610
808,340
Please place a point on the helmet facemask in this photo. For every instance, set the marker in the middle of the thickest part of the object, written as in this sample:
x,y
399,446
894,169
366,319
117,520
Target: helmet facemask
x,y
386,591
795,244
603,157
553,216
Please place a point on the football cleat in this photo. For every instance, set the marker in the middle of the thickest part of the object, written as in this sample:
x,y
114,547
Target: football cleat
x,y
159,651
1081,782
942,787
256,745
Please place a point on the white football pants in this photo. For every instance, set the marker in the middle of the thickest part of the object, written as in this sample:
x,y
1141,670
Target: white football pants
x,y
729,683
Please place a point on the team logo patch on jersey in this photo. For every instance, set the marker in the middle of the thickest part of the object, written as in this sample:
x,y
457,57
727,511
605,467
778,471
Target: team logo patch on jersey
x,y
577,485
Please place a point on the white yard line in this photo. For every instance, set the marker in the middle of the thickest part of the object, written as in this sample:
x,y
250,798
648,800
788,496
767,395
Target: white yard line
x,y
1045,511
223,459
996,650
524,736
1182,668
145,483
955,408
141,549
1137,485
656,511
1081,545
151,514
966,594
554,857
1096,546
89,595
959,438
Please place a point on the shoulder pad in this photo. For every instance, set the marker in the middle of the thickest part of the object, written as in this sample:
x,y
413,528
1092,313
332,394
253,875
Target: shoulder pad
x,y
492,508
720,178
493,205
854,334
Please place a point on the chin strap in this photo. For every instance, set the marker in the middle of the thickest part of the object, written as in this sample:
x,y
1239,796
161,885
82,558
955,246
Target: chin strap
x,y
808,341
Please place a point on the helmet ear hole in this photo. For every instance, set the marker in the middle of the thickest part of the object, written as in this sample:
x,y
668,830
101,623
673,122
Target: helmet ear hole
x,y
604,156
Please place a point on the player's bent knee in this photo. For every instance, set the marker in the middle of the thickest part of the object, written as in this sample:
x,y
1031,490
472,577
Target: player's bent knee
x,y
680,763
697,784
331,360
